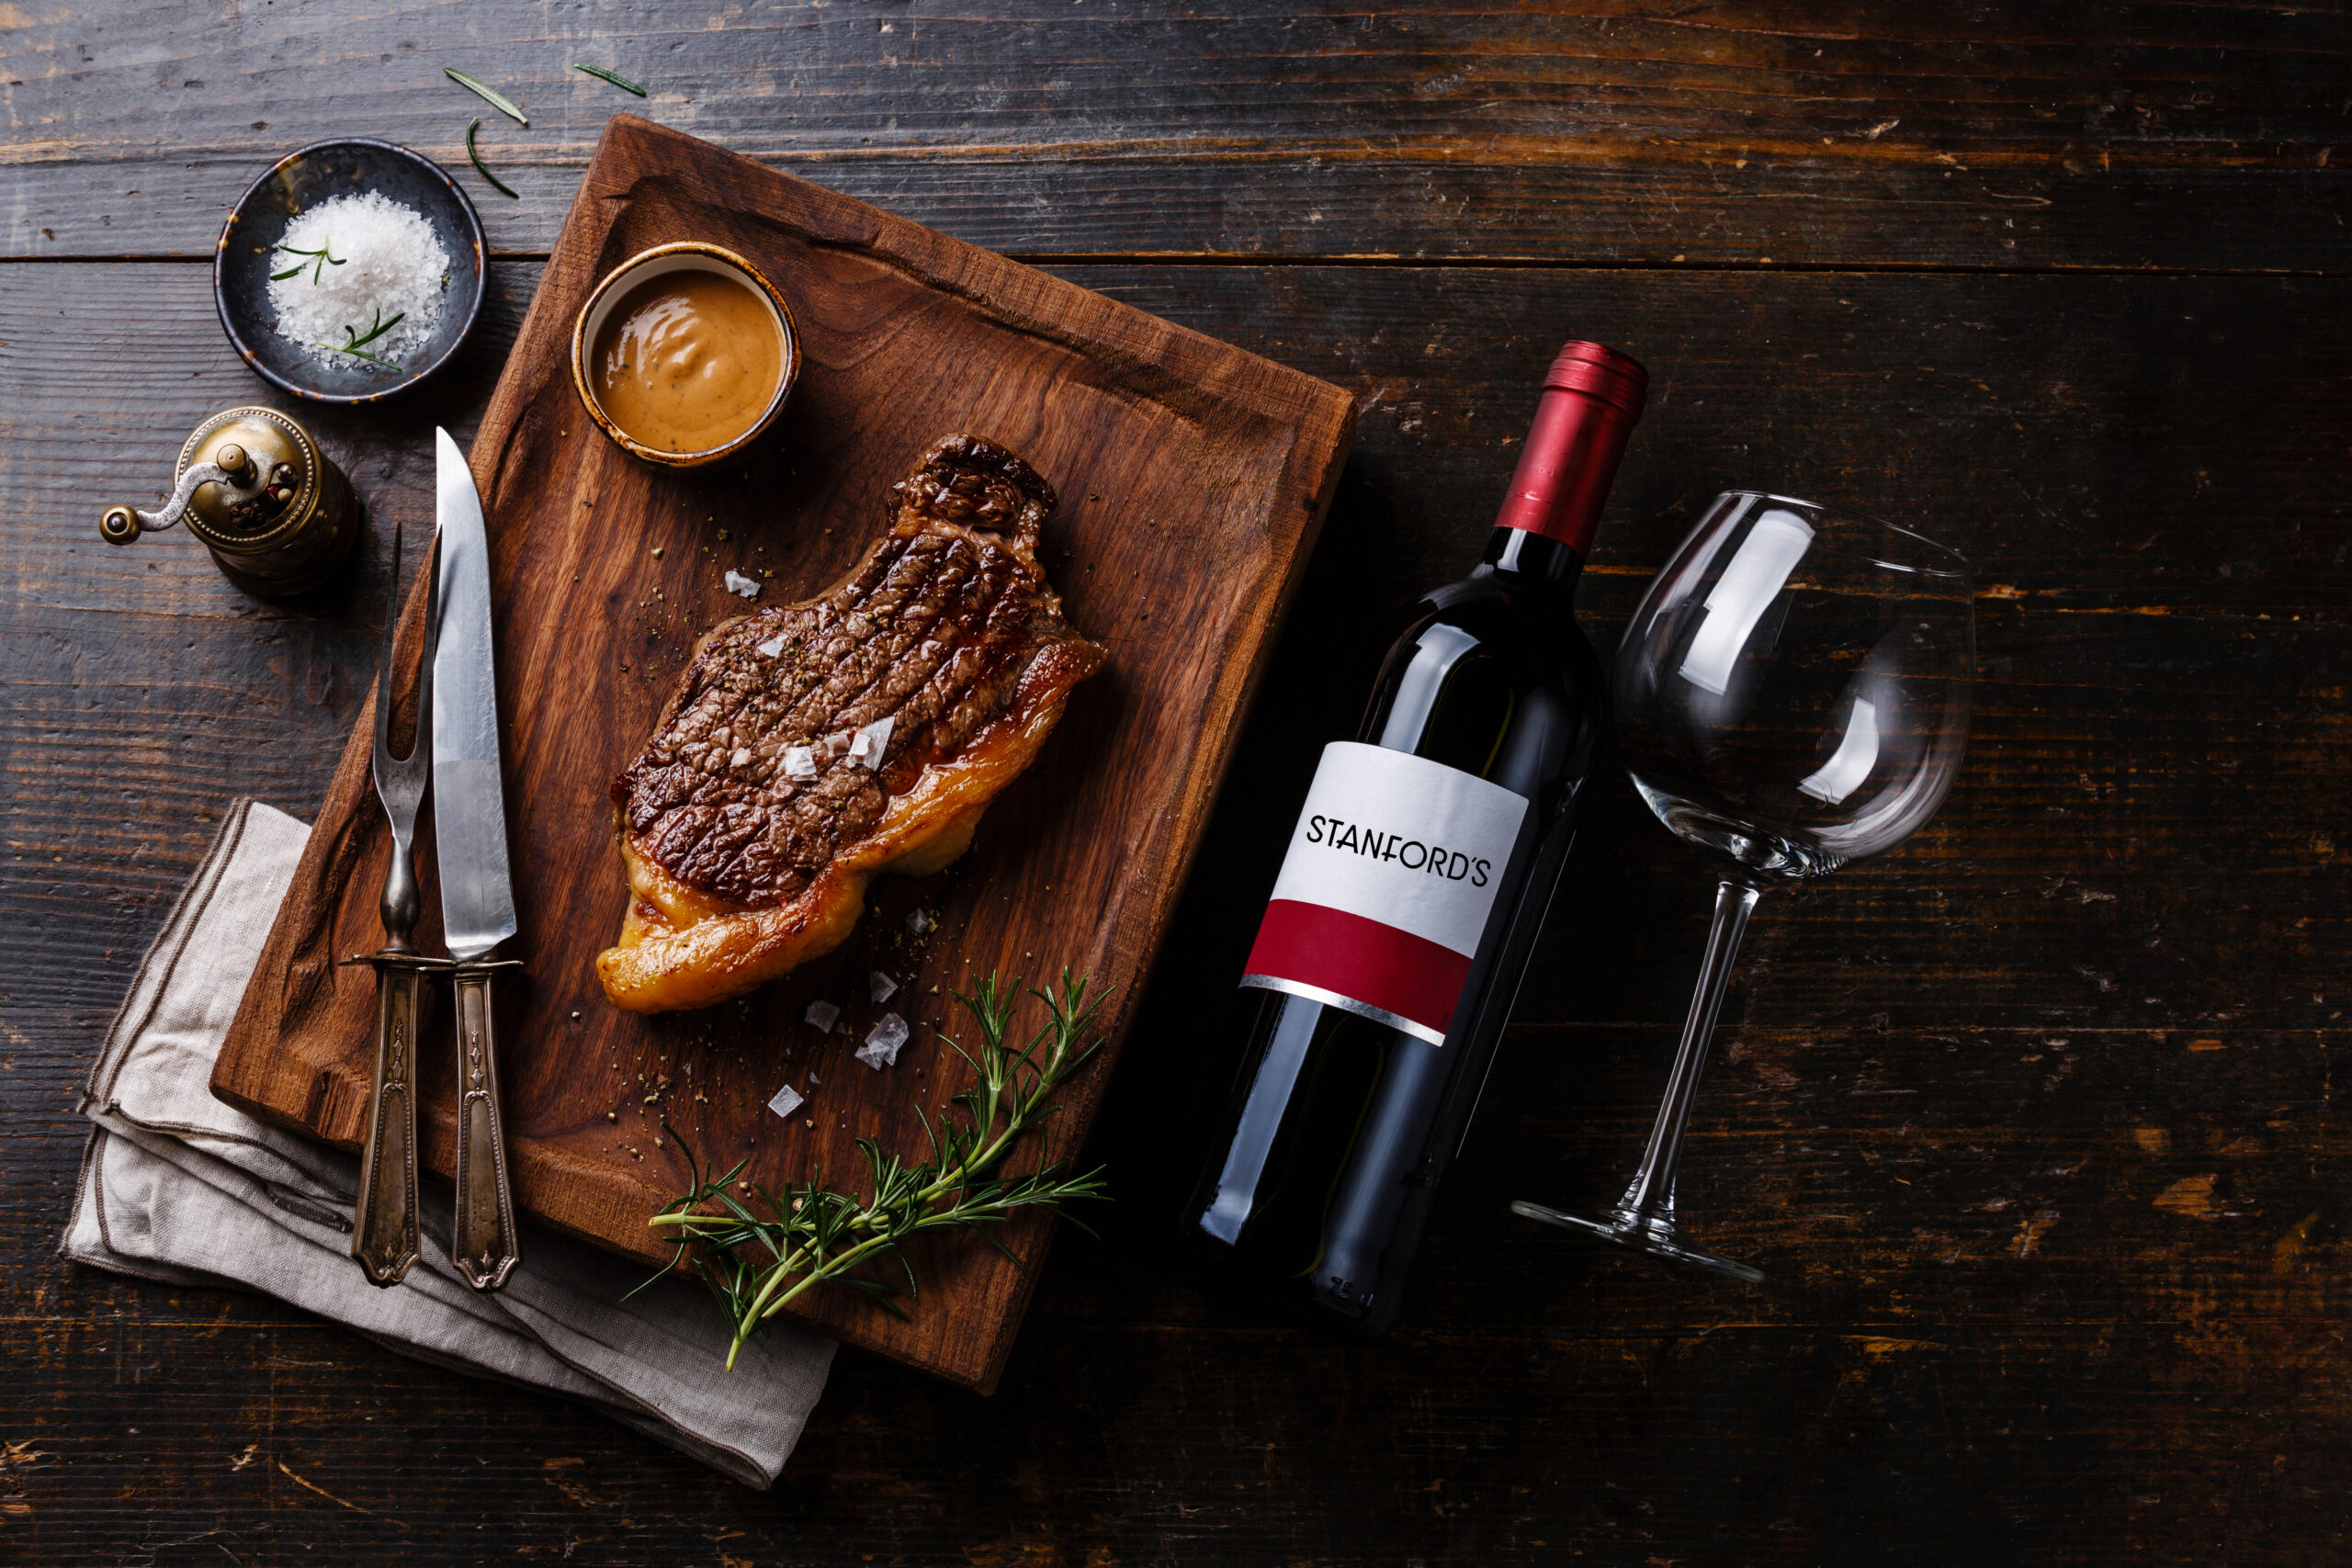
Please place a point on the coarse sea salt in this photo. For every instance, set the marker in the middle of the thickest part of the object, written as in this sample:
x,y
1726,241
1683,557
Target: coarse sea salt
x,y
786,1101
822,1015
881,1047
738,583
881,985
867,742
392,266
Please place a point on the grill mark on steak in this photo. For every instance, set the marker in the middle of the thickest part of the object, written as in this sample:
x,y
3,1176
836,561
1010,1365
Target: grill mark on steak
x,y
933,630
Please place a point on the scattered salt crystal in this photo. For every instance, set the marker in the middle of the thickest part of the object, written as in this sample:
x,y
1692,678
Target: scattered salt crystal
x,y
822,1014
738,583
868,743
801,762
814,1081
881,985
881,1047
919,923
772,647
392,266
743,756
835,745
786,1101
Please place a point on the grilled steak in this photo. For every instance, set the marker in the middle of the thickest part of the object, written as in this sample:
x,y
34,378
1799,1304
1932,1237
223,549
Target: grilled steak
x,y
813,746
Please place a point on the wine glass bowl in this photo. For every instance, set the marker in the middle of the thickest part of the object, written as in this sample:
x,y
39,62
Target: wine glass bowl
x,y
1792,694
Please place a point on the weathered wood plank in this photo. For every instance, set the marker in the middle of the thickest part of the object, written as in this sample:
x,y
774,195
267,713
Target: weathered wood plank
x,y
287,1444
2138,707
1997,136
2058,1268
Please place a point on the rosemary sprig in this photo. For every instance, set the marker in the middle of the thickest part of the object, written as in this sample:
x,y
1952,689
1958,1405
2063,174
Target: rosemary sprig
x,y
356,346
323,262
615,77
488,95
481,168
756,1264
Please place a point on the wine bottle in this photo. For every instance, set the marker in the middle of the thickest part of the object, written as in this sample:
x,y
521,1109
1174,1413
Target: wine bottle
x,y
1413,888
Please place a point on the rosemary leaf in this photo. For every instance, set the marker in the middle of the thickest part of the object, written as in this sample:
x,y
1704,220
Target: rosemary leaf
x,y
357,353
326,259
488,95
617,80
481,168
755,1264
356,346
378,328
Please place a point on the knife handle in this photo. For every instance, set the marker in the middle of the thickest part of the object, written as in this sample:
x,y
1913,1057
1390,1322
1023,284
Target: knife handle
x,y
383,1227
484,1244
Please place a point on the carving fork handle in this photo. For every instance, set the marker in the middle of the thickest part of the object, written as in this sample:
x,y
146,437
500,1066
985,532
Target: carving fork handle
x,y
484,1244
383,1228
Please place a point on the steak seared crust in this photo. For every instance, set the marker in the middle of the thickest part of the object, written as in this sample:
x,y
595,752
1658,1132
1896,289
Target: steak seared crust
x,y
813,746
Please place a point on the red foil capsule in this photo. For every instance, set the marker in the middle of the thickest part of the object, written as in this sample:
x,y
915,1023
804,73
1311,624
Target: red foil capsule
x,y
1592,399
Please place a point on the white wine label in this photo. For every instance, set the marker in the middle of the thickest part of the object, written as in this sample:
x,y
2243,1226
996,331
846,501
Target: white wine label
x,y
1385,889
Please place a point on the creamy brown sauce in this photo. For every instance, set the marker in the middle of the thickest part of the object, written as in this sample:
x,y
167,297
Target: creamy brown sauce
x,y
688,361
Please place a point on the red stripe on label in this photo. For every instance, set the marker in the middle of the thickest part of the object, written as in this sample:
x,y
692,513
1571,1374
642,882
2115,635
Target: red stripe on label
x,y
1378,965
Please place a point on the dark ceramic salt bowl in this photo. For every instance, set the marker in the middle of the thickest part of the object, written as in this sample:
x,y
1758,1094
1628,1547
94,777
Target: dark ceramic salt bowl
x,y
247,254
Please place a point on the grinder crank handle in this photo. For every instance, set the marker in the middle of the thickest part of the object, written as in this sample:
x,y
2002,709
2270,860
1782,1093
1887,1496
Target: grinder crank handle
x,y
383,1227
484,1244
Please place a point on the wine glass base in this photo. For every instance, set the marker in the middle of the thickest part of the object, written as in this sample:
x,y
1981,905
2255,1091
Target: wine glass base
x,y
1658,1238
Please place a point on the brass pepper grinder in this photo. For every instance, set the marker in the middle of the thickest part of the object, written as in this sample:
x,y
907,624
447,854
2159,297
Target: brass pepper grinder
x,y
277,516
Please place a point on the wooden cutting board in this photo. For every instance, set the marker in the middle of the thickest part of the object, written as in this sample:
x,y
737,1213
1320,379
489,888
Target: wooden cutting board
x,y
1193,478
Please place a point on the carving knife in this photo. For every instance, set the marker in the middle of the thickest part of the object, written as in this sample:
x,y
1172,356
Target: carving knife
x,y
477,894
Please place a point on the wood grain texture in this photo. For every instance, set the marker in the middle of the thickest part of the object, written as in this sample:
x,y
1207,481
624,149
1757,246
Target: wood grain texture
x,y
1196,478
1991,135
2033,1122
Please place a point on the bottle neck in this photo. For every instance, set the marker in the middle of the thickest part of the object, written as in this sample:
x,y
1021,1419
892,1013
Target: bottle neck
x,y
1529,563
1592,398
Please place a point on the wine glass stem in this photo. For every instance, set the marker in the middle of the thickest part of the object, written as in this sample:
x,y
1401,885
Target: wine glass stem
x,y
1650,1200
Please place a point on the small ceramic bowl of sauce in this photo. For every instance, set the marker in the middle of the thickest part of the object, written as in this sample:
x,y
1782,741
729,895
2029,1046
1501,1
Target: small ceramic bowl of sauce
x,y
685,354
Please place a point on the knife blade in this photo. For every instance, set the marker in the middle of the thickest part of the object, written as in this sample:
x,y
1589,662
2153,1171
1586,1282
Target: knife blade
x,y
470,842
468,803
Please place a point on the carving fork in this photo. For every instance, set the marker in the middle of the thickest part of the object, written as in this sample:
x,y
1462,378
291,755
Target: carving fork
x,y
383,1231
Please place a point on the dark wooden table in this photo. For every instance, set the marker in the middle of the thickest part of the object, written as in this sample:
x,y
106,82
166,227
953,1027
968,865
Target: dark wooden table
x,y
2032,1121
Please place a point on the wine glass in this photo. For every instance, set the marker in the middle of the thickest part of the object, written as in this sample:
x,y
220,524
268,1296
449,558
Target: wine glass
x,y
1792,695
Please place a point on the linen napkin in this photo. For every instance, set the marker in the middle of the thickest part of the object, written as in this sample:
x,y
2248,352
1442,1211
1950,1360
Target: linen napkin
x,y
177,1185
